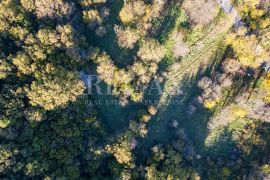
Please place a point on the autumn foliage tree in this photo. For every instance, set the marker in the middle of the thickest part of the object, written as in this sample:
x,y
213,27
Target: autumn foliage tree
x,y
55,89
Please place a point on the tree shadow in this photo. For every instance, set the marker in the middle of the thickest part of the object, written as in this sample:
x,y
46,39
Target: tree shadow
x,y
122,57
164,25
114,116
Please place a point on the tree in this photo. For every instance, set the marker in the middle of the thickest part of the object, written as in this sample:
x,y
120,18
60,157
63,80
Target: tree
x,y
122,151
251,47
248,49
92,18
212,93
201,12
61,37
55,89
14,20
23,63
53,9
151,50
231,66
156,8
5,69
126,37
7,157
131,11
254,14
152,110
106,68
91,2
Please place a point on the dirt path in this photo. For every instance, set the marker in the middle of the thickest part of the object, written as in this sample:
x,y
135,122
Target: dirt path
x,y
199,54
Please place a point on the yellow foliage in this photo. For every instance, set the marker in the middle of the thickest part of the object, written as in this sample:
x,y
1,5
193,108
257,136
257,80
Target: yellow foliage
x,y
250,9
91,15
122,151
230,38
5,69
210,104
169,177
3,25
147,13
126,14
239,112
29,5
267,88
151,173
55,90
91,2
23,63
18,32
265,169
265,23
248,49
4,123
152,110
132,11
256,13
225,172
137,97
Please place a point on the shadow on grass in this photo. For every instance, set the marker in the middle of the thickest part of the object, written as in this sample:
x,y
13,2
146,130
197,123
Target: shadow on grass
x,y
114,117
122,57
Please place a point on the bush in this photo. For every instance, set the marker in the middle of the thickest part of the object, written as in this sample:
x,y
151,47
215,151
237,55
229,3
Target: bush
x,y
152,110
180,48
231,66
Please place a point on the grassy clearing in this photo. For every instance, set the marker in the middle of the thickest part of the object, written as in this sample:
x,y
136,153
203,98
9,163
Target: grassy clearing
x,y
184,75
222,139
178,105
199,53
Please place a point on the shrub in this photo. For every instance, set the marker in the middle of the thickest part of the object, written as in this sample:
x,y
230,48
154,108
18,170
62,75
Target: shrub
x,y
231,66
239,112
144,116
152,110
180,48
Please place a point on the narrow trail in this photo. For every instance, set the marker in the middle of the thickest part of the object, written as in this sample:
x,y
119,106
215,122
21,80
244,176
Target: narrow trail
x,y
199,54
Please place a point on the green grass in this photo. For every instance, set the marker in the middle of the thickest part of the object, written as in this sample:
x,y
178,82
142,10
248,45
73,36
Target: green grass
x,y
184,76
222,139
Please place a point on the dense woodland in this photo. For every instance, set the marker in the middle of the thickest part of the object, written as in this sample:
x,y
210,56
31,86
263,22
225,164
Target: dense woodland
x,y
210,120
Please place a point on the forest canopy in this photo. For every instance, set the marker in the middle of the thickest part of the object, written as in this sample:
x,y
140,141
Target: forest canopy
x,y
134,89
